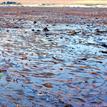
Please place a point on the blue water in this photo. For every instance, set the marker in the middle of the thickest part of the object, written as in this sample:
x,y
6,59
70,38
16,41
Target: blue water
x,y
73,66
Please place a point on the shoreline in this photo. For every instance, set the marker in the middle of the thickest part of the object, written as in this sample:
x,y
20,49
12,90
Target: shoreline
x,y
78,6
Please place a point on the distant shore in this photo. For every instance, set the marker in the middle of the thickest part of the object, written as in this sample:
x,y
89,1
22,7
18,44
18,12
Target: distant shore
x,y
55,5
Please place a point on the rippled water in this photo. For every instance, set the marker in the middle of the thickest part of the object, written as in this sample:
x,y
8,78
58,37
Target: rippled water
x,y
53,68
